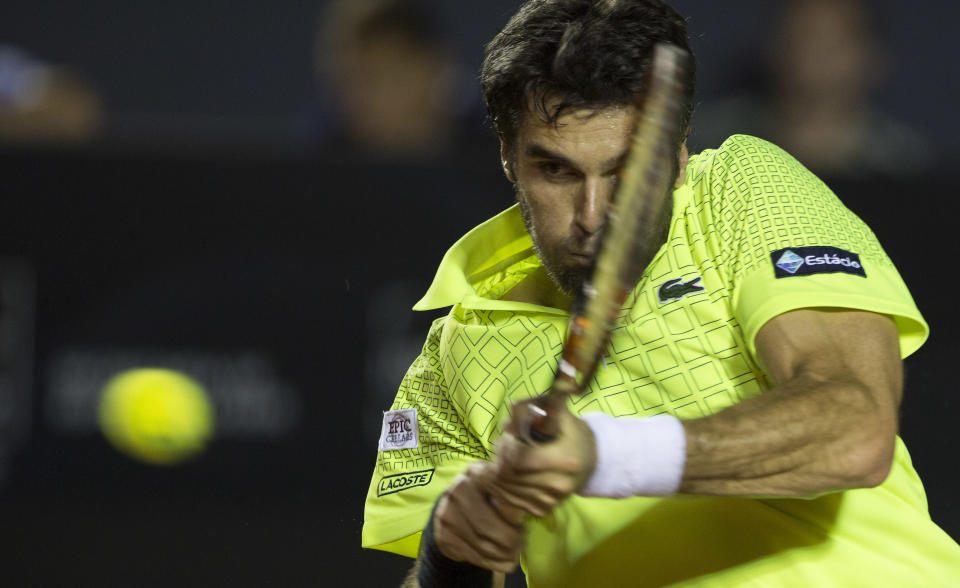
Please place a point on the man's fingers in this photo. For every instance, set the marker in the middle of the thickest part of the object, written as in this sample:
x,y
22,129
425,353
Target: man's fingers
x,y
466,543
516,458
554,474
553,484
516,502
511,508
507,507
488,524
468,527
536,500
463,550
513,515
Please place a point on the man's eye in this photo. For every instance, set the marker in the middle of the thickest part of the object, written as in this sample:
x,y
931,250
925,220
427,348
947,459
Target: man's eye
x,y
554,170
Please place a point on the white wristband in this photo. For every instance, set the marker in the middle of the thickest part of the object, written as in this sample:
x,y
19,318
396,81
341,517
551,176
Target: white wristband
x,y
636,457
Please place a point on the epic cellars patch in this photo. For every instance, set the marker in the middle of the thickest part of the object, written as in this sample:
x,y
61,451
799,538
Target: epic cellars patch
x,y
399,430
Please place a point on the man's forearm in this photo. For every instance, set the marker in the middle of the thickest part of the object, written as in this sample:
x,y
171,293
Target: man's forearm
x,y
784,443
436,570
411,581
829,423
467,538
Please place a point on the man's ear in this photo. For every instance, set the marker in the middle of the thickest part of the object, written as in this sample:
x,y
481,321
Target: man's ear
x,y
683,158
505,162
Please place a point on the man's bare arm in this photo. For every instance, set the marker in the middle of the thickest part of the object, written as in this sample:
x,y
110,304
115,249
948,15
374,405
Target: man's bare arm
x,y
828,423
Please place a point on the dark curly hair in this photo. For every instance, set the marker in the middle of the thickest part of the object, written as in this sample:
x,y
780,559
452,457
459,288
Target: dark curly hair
x,y
586,53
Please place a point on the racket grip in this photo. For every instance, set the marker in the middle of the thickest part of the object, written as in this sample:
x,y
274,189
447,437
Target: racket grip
x,y
543,426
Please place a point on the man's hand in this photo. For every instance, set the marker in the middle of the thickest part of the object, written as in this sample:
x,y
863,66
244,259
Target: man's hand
x,y
536,477
471,526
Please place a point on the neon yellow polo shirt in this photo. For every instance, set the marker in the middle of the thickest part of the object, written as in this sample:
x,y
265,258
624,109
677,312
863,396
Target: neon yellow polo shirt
x,y
753,235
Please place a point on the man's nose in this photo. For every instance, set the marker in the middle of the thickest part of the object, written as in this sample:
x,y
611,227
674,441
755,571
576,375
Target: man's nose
x,y
592,207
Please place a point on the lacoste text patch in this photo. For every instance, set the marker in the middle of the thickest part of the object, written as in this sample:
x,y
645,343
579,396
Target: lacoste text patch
x,y
806,261
401,482
399,430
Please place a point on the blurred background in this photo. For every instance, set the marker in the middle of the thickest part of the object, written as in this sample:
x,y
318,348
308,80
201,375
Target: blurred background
x,y
254,194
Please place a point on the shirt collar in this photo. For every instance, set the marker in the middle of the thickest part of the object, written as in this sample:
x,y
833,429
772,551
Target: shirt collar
x,y
491,247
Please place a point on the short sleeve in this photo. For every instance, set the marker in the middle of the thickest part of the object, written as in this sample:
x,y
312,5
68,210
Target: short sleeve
x,y
407,481
787,242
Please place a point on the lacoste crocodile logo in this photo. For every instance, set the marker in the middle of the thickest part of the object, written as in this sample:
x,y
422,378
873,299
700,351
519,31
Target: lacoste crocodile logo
x,y
677,289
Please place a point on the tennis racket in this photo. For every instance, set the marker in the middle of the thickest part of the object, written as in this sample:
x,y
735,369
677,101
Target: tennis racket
x,y
639,201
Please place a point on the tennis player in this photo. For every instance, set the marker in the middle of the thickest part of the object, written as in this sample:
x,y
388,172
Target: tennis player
x,y
742,428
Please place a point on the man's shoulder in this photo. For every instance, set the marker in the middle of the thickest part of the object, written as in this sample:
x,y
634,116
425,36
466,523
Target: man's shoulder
x,y
742,161
737,148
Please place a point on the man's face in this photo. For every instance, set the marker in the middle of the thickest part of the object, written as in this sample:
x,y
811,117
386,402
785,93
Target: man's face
x,y
565,176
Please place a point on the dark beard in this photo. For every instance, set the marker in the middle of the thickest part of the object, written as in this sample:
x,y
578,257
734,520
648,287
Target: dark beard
x,y
570,280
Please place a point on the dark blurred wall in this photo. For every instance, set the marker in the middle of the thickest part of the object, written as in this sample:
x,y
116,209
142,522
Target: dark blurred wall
x,y
212,58
246,68
275,284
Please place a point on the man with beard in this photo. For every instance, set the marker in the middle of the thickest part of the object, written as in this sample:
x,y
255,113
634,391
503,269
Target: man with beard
x,y
742,428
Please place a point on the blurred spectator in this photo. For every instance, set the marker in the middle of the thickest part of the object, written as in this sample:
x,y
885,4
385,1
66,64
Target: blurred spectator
x,y
816,99
43,103
391,81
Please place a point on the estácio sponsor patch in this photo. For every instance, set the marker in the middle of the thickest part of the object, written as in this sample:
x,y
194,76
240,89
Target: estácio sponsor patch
x,y
399,430
806,261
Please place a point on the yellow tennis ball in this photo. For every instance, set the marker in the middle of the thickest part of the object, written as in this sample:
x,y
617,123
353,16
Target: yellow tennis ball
x,y
156,415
